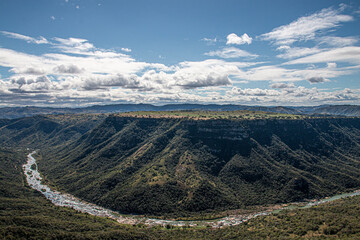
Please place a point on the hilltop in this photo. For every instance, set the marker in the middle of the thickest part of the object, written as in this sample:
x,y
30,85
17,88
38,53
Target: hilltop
x,y
221,115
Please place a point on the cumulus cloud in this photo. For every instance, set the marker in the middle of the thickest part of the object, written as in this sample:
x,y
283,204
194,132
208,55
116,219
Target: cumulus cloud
x,y
293,96
282,85
29,71
20,81
30,85
306,28
254,92
190,75
117,80
40,40
209,80
232,38
80,72
211,72
230,52
70,69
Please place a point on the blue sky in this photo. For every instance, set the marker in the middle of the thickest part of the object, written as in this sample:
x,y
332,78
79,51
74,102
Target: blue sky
x,y
85,52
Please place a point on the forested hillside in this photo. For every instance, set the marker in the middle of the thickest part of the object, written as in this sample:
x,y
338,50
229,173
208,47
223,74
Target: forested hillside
x,y
181,166
26,214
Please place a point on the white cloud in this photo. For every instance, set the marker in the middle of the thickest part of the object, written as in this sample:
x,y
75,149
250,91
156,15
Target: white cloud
x,y
282,85
81,72
209,41
28,71
345,54
13,59
74,45
254,92
238,40
104,67
93,69
306,28
69,69
339,41
53,18
118,80
331,65
40,40
282,74
292,96
190,75
45,91
231,52
209,80
126,49
294,52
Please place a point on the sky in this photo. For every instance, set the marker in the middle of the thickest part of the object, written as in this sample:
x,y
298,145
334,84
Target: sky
x,y
73,53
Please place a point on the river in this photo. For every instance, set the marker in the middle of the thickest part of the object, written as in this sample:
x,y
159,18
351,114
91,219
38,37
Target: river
x,y
66,200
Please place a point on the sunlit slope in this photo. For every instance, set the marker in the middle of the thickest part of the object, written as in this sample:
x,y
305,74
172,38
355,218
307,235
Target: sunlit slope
x,y
180,165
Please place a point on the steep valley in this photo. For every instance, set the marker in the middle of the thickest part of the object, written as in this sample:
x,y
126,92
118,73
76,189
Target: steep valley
x,y
183,167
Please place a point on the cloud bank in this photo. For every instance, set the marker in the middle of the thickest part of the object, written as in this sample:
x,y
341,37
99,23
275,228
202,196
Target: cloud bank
x,y
74,72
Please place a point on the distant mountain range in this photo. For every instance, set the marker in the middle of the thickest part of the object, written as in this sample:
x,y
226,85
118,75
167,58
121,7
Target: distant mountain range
x,y
19,112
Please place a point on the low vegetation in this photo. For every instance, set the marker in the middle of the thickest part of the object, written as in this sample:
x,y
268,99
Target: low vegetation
x,y
221,115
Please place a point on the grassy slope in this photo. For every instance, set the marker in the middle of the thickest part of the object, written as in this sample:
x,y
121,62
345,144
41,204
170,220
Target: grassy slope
x,y
26,214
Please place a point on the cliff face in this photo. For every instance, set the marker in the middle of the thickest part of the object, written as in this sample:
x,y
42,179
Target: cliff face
x,y
157,166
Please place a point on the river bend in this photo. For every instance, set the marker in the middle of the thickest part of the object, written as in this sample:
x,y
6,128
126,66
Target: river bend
x,y
66,200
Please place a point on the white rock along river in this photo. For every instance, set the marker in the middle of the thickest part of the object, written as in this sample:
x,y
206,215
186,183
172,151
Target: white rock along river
x,y
66,200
